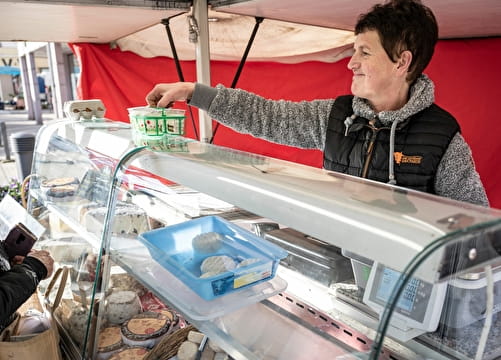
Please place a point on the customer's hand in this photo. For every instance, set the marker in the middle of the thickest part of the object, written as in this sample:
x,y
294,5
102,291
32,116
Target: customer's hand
x,y
44,257
164,95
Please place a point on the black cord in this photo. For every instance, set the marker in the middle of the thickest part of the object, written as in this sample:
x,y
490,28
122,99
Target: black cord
x,y
166,23
259,20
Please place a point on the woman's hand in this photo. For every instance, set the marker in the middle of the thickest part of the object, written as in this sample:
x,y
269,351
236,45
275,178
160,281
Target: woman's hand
x,y
164,95
44,257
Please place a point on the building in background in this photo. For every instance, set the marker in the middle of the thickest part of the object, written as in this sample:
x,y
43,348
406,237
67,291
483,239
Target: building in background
x,y
43,75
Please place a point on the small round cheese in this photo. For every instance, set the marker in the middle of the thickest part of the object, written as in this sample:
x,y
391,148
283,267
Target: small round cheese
x,y
121,306
217,264
145,329
247,262
208,274
187,351
208,242
131,353
110,342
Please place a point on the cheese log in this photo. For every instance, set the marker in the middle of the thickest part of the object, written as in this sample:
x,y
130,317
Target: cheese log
x,y
127,220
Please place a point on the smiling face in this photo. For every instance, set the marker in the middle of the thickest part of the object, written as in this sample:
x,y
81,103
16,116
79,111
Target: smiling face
x,y
375,77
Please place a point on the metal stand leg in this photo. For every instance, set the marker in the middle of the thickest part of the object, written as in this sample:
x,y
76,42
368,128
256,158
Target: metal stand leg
x,y
5,140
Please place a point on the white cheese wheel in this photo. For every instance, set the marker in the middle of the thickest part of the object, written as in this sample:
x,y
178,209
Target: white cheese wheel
x,y
247,262
208,242
208,274
217,264
121,306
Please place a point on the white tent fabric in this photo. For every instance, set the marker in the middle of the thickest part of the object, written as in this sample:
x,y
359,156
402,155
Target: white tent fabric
x,y
229,34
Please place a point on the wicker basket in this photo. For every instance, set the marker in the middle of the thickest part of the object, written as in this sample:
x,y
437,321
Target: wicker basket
x,y
169,345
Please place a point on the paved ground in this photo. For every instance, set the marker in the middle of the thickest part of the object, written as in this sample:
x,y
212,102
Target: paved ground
x,y
16,121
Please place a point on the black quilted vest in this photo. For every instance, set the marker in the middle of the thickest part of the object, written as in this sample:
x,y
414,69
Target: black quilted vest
x,y
420,143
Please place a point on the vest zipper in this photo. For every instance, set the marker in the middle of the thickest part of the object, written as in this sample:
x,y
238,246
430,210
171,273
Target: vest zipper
x,y
370,148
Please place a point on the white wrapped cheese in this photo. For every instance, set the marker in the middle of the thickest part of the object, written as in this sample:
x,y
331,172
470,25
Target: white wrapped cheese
x,y
208,242
217,264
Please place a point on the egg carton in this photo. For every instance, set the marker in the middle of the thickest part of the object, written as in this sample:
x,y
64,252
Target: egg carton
x,y
84,109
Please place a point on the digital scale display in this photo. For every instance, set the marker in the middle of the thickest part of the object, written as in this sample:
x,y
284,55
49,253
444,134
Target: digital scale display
x,y
419,305
407,298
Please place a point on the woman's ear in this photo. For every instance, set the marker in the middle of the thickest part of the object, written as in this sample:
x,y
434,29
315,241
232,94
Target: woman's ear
x,y
404,61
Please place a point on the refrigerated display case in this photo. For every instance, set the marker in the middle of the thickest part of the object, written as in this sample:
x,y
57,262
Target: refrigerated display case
x,y
371,270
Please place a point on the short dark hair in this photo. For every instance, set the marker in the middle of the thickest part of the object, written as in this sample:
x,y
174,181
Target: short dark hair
x,y
403,25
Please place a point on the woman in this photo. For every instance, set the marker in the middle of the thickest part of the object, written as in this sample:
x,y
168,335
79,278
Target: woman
x,y
19,281
389,130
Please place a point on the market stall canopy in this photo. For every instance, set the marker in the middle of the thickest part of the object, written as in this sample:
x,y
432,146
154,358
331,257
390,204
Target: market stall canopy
x,y
136,25
91,21
229,34
456,18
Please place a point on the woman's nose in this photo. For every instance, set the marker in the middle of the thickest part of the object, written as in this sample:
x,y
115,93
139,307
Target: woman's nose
x,y
352,64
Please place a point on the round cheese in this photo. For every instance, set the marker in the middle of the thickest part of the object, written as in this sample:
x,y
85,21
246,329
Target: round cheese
x,y
145,329
109,342
121,306
247,262
217,264
208,242
59,182
187,351
131,353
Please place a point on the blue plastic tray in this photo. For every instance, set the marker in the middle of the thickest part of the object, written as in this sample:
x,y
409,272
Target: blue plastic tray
x,y
172,248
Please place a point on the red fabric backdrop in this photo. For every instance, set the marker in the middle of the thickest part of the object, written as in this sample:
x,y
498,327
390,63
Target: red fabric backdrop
x,y
464,71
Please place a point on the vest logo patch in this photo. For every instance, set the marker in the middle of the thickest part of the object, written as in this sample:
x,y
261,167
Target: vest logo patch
x,y
400,158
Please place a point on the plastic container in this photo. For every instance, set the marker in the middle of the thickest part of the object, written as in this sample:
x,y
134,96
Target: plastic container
x,y
85,110
157,121
172,247
165,142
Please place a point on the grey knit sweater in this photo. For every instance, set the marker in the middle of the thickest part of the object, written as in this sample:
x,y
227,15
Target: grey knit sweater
x,y
303,124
